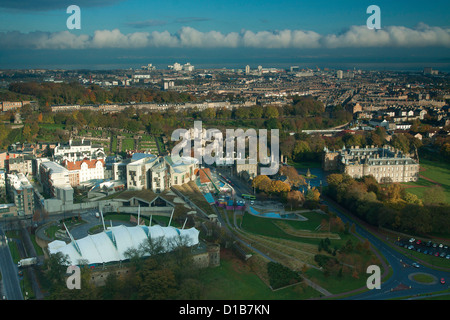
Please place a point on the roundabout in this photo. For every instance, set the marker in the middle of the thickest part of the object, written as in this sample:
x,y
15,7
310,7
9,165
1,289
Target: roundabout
x,y
423,278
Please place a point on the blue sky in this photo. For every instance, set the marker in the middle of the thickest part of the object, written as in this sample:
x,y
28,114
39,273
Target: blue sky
x,y
225,16
290,25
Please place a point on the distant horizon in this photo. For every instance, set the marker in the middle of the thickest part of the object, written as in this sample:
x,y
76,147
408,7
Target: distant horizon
x,y
127,33
114,59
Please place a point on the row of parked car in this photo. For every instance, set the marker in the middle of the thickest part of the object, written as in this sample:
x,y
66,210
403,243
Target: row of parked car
x,y
429,247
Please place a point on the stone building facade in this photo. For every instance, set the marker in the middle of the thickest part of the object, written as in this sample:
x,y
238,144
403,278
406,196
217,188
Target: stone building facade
x,y
385,164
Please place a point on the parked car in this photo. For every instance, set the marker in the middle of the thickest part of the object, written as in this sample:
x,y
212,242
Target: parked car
x,y
418,242
412,240
447,256
442,280
436,254
442,255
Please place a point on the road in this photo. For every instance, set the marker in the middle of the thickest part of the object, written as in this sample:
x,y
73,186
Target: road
x,y
400,284
10,278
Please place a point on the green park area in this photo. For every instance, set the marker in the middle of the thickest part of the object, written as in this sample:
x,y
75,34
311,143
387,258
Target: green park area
x,y
238,280
432,173
321,249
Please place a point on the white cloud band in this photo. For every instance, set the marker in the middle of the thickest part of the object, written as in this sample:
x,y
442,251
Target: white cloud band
x,y
187,37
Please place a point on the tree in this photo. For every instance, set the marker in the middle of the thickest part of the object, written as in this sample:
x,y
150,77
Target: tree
x,y
294,178
157,285
278,187
412,198
56,266
313,195
295,198
434,195
26,132
271,112
262,183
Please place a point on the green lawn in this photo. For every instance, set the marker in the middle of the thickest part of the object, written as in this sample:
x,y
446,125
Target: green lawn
x,y
334,284
423,278
127,144
13,245
304,164
266,227
435,170
228,282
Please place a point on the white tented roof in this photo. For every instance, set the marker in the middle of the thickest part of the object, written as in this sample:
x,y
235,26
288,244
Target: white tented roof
x,y
111,245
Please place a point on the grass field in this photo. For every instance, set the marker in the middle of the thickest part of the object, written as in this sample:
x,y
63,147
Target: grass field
x,y
305,164
438,172
234,280
268,227
292,249
127,144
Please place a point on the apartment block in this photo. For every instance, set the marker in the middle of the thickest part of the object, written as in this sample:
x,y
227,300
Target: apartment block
x,y
21,192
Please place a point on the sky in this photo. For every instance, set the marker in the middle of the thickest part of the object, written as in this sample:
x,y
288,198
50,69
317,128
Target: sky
x,y
126,33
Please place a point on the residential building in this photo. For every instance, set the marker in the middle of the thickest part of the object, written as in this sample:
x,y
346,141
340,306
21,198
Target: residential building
x,y
21,192
85,170
8,210
55,181
77,151
23,164
3,158
2,184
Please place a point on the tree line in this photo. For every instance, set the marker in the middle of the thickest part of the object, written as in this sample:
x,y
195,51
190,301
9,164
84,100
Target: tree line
x,y
390,205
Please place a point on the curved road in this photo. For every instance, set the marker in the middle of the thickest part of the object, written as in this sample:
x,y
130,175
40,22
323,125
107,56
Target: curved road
x,y
399,283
